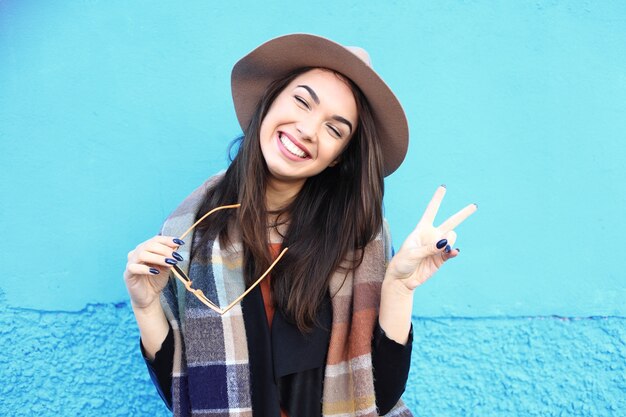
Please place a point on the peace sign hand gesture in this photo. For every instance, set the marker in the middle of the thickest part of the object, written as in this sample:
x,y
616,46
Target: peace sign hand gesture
x,y
427,247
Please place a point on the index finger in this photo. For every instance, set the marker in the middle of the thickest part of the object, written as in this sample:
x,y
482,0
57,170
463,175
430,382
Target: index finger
x,y
433,206
458,218
170,241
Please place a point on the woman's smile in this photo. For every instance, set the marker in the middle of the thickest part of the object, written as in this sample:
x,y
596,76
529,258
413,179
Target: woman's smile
x,y
292,148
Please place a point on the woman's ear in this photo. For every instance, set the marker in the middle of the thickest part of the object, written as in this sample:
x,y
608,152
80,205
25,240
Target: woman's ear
x,y
335,162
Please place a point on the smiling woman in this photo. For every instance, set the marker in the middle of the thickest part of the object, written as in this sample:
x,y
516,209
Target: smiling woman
x,y
328,330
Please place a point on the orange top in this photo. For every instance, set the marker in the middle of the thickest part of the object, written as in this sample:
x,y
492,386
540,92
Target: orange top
x,y
267,299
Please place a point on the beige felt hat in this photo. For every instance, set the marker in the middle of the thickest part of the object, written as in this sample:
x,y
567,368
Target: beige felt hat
x,y
274,59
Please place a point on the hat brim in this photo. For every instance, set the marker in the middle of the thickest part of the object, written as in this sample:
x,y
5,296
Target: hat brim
x,y
277,57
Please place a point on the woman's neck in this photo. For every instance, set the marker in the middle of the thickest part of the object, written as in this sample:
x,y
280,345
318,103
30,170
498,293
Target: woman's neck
x,y
279,194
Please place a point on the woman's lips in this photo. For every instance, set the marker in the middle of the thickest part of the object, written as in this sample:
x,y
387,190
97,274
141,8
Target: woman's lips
x,y
291,148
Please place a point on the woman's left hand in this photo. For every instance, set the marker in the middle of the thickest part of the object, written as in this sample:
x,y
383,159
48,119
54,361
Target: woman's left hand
x,y
427,247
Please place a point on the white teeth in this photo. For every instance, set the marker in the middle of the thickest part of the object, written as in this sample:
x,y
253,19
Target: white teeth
x,y
291,147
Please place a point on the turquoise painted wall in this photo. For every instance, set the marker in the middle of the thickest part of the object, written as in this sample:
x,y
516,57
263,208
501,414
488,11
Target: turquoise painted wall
x,y
112,112
87,363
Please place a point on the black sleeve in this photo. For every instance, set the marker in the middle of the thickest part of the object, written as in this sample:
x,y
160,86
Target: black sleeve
x,y
391,362
160,368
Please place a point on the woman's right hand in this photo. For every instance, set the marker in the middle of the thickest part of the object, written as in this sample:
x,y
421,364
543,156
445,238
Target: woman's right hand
x,y
148,269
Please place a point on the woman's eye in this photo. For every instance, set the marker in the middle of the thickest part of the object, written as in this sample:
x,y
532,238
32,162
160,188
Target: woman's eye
x,y
335,132
302,102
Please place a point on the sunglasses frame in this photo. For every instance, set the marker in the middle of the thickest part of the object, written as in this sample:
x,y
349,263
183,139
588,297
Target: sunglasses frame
x,y
182,276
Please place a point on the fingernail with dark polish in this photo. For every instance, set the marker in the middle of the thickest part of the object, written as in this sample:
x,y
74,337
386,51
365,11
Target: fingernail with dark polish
x,y
442,243
154,271
178,241
476,205
177,256
447,249
458,250
443,185
170,261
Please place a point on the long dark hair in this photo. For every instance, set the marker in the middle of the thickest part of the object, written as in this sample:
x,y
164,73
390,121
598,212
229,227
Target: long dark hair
x,y
330,221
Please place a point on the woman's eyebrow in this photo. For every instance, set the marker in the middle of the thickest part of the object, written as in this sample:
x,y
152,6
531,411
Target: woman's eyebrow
x,y
342,120
314,96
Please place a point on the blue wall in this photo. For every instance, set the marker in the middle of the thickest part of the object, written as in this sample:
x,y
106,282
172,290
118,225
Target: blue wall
x,y
112,112
87,363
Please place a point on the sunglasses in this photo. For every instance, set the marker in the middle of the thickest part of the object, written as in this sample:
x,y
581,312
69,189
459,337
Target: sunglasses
x,y
182,276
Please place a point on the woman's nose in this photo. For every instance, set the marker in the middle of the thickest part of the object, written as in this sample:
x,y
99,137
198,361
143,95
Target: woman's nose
x,y
307,130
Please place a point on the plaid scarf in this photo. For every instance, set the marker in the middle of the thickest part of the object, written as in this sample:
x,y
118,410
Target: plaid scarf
x,y
211,375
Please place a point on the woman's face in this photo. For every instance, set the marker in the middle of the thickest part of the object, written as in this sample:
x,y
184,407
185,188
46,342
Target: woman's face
x,y
307,126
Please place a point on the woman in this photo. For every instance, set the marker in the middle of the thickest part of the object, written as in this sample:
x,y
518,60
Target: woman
x,y
328,332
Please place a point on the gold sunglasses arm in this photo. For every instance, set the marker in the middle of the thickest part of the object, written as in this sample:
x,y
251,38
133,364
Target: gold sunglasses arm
x,y
207,215
231,305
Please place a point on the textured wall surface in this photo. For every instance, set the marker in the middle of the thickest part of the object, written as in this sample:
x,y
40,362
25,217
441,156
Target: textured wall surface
x,y
88,364
84,363
535,366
